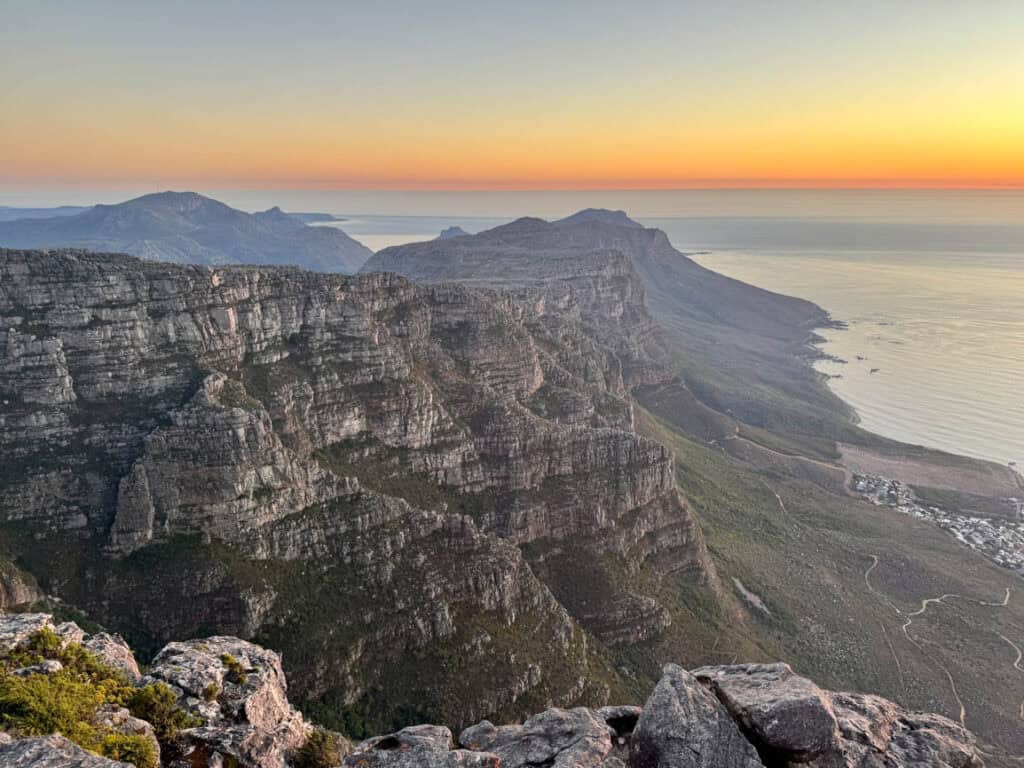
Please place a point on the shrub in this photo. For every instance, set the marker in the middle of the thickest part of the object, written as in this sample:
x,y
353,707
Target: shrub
x,y
44,642
137,750
69,700
157,704
38,705
211,692
323,749
236,672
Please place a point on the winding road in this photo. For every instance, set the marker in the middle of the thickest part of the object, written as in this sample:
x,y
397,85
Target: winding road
x,y
926,603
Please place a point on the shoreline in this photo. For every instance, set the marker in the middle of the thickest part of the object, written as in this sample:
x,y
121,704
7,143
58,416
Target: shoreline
x,y
899,360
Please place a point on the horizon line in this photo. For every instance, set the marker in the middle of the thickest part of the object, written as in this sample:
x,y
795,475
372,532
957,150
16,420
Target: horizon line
x,y
752,185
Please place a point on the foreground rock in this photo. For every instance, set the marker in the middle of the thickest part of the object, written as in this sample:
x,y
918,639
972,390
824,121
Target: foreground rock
x,y
235,692
684,726
238,691
16,628
420,746
51,752
558,738
787,716
791,721
740,716
114,652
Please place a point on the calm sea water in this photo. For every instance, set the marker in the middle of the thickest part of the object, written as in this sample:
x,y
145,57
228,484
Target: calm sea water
x,y
930,283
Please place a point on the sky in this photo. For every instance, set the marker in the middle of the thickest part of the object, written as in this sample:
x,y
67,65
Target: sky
x,y
512,95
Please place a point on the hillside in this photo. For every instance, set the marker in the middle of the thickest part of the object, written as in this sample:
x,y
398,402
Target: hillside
x,y
187,228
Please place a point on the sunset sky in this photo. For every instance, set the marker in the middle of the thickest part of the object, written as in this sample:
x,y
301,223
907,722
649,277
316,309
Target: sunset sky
x,y
465,95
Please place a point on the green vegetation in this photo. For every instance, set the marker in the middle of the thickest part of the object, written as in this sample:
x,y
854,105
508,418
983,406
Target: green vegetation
x,y
233,395
236,672
157,704
68,701
137,750
323,749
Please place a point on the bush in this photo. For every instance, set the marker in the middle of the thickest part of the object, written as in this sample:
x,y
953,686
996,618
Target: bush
x,y
137,750
45,643
38,705
323,749
157,705
68,701
236,672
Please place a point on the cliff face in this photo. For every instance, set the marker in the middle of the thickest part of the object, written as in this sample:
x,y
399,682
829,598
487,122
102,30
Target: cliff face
x,y
733,343
589,283
300,444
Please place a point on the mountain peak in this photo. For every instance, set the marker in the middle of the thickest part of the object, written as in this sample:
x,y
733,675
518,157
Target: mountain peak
x,y
449,232
188,227
600,215
170,196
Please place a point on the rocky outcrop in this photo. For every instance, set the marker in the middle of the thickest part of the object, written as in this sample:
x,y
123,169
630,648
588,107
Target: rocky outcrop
x,y
684,726
787,715
740,716
113,651
16,587
16,628
52,752
238,692
743,716
235,691
449,232
417,747
559,738
792,721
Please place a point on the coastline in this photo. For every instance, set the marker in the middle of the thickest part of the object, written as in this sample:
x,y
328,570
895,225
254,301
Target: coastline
x,y
926,363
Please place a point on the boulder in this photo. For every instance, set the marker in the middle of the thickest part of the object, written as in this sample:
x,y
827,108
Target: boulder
x,y
47,667
239,692
786,716
683,725
114,652
578,738
419,746
16,628
876,733
16,587
51,752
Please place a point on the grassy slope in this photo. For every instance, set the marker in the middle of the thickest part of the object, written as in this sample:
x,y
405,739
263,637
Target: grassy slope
x,y
803,545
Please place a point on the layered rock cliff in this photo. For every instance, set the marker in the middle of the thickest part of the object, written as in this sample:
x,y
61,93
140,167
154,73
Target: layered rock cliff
x,y
347,467
734,343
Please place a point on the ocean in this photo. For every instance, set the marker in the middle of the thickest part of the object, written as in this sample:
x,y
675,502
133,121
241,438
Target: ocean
x,y
930,284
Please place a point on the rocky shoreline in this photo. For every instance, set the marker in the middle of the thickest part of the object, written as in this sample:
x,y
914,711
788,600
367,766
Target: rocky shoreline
x,y
236,715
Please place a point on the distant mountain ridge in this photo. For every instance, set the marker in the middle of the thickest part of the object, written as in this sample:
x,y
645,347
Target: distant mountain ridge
x,y
11,213
188,228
